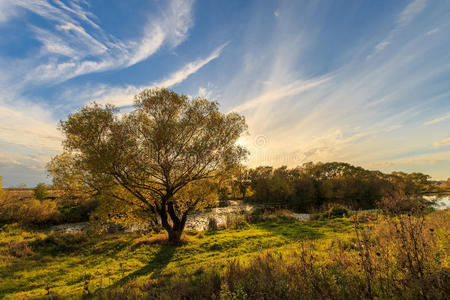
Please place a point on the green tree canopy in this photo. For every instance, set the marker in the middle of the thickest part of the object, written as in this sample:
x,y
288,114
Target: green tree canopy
x,y
40,191
149,157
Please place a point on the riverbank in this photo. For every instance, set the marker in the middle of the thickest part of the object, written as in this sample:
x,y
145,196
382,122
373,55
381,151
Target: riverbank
x,y
199,220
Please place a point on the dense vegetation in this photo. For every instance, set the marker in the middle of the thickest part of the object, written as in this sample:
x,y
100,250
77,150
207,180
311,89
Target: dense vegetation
x,y
312,186
262,256
309,188
22,206
399,252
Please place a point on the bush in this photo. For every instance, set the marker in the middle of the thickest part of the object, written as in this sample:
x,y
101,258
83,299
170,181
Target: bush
x,y
255,216
236,220
78,213
40,191
399,202
28,211
212,224
338,212
333,211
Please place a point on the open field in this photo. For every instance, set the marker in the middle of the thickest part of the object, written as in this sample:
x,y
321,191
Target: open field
x,y
64,260
35,260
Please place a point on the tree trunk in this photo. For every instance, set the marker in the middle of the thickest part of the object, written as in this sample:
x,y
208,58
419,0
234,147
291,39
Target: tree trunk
x,y
174,230
174,236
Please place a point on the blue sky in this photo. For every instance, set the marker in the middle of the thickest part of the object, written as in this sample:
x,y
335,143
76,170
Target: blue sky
x,y
366,82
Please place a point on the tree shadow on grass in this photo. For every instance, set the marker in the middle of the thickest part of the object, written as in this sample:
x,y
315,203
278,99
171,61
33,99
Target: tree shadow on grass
x,y
293,231
157,264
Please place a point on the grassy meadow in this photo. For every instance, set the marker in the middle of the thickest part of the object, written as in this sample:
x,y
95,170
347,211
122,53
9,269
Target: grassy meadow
x,y
37,263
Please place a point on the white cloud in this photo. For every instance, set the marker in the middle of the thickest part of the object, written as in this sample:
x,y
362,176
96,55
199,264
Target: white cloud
x,y
444,142
204,92
437,120
433,31
411,11
360,111
189,69
53,43
95,47
85,47
291,89
439,158
179,21
28,126
379,47
124,96
172,26
152,41
7,10
405,17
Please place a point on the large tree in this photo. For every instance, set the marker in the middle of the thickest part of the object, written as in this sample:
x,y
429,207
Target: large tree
x,y
155,157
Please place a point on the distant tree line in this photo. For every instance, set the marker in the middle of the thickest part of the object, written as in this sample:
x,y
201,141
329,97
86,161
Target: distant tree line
x,y
313,185
306,188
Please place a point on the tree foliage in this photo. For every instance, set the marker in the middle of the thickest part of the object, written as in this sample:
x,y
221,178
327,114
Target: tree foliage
x,y
2,192
312,186
40,191
157,159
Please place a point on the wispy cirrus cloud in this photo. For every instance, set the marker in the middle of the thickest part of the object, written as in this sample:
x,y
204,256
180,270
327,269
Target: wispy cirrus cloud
x,y
122,96
306,86
28,132
72,44
405,17
84,47
411,11
444,142
362,111
437,120
7,10
291,89
190,69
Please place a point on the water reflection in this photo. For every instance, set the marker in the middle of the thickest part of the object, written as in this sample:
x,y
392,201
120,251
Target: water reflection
x,y
441,201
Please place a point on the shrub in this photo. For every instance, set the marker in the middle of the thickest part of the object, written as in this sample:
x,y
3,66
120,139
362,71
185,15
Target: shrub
x,y
236,220
338,212
255,216
28,211
212,224
78,213
40,191
333,211
399,202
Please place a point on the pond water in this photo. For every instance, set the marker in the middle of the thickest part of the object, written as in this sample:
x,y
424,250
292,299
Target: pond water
x,y
195,221
441,201
199,220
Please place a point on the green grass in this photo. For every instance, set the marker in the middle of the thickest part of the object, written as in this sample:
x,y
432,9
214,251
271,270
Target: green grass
x,y
64,261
